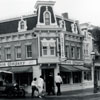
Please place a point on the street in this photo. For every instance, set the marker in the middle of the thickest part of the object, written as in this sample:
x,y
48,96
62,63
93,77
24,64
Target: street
x,y
55,98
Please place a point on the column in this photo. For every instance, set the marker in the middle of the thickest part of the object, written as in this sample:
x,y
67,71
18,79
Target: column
x,y
71,78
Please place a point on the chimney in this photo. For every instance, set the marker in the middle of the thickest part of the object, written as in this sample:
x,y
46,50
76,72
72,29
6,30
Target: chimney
x,y
65,15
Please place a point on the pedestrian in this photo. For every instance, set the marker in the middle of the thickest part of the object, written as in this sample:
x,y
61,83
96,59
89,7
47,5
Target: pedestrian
x,y
40,86
34,87
58,81
50,84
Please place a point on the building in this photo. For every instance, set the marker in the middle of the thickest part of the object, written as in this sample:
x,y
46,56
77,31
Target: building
x,y
87,49
43,43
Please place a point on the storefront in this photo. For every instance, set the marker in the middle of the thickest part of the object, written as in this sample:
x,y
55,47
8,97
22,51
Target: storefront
x,y
22,70
73,74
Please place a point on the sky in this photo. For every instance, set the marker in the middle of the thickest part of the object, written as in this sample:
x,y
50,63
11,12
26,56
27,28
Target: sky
x,y
82,10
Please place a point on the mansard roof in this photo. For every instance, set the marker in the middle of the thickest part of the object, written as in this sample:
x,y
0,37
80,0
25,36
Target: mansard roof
x,y
11,25
68,23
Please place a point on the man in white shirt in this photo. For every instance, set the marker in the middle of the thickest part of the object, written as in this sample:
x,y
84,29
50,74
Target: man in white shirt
x,y
40,86
58,81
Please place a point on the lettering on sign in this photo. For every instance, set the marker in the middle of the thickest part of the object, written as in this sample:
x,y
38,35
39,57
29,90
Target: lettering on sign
x,y
62,45
18,63
78,62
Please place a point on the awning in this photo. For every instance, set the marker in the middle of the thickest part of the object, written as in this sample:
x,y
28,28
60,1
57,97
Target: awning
x,y
66,68
81,68
21,69
5,70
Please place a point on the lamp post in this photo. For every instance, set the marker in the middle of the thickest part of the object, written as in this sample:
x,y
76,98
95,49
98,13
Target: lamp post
x,y
95,72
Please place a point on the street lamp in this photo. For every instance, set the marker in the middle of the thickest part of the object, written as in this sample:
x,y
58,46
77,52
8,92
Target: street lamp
x,y
95,72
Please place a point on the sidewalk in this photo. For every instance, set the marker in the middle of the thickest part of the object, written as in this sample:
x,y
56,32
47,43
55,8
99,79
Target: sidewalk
x,y
76,93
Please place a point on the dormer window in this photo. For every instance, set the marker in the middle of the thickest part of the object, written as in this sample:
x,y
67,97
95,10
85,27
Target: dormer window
x,y
22,25
74,28
47,18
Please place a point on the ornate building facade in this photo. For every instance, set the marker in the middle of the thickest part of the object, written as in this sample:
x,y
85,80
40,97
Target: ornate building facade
x,y
42,44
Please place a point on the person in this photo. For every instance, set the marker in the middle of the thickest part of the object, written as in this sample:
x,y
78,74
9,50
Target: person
x,y
34,86
40,86
50,84
58,81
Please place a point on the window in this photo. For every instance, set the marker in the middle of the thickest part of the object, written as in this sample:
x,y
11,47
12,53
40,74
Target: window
x,y
72,52
87,75
28,51
65,77
78,52
0,53
8,53
67,51
44,50
52,50
86,49
18,52
47,18
22,24
48,47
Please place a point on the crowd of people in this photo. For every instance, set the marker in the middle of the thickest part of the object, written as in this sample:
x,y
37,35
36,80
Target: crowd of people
x,y
38,86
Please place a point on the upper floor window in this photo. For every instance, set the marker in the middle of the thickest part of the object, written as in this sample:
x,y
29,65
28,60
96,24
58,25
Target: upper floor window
x,y
22,25
44,50
47,18
0,53
67,51
18,52
72,52
48,47
8,53
78,52
74,28
29,51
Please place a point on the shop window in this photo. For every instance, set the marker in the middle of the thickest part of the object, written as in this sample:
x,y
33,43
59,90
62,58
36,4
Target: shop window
x,y
87,75
47,18
29,51
18,52
77,77
78,52
23,78
67,51
8,53
72,52
66,77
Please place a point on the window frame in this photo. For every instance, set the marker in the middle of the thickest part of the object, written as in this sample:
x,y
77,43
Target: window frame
x,y
27,51
47,18
17,52
8,53
73,52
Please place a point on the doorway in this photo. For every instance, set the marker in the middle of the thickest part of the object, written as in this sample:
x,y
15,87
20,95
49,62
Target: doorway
x,y
46,73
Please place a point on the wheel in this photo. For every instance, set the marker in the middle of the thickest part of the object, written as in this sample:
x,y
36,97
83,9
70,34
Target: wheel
x,y
21,93
10,94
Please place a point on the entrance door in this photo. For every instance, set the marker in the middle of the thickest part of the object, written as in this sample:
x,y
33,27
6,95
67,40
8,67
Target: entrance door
x,y
46,74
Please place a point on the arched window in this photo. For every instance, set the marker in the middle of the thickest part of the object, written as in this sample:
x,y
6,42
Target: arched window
x,y
22,24
47,18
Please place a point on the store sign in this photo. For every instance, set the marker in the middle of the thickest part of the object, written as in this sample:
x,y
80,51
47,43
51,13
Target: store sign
x,y
78,62
62,45
18,63
71,62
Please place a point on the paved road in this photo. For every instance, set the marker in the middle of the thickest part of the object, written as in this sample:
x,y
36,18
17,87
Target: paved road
x,y
55,98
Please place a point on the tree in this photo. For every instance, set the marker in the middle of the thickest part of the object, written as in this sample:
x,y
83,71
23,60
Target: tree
x,y
95,32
